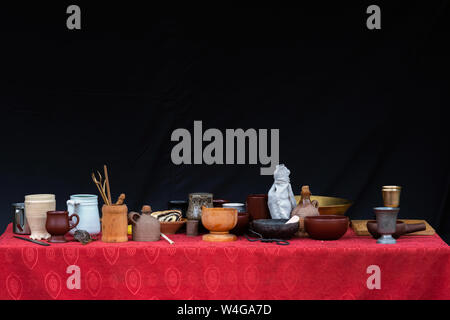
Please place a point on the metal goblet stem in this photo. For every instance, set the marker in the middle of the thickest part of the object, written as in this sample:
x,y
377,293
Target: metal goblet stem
x,y
386,223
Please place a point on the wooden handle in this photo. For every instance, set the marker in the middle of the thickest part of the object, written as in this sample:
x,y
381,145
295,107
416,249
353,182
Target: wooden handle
x,y
108,190
121,199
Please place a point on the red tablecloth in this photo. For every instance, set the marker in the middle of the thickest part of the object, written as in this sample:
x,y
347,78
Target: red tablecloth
x,y
417,267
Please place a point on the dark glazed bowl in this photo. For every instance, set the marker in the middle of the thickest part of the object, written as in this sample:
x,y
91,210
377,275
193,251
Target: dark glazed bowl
x,y
217,203
242,223
274,228
327,227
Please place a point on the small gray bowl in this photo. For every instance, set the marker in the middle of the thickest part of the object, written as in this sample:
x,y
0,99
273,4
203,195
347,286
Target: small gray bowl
x,y
274,228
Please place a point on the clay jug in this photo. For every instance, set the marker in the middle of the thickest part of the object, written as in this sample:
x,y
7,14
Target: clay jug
x,y
305,208
145,226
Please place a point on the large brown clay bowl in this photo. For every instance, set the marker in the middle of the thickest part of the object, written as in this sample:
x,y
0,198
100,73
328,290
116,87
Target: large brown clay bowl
x,y
401,228
274,228
330,205
327,227
171,227
242,223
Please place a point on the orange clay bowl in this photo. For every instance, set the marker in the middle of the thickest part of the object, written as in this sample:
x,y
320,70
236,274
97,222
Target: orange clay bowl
x,y
171,227
330,205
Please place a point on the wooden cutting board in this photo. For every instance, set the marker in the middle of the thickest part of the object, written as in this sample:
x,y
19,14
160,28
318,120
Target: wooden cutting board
x,y
360,228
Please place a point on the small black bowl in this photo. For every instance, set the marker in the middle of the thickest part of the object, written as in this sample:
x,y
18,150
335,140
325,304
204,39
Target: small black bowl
x,y
274,228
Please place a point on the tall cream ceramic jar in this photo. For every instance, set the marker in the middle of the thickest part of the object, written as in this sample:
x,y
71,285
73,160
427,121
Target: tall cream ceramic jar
x,y
36,207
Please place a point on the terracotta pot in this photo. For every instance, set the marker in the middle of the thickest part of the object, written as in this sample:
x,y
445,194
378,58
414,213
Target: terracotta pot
x,y
257,206
329,227
401,228
58,224
36,208
219,221
114,223
242,223
172,227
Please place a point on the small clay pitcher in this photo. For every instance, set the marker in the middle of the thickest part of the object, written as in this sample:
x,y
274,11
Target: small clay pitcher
x,y
145,226
114,223
401,228
305,208
58,224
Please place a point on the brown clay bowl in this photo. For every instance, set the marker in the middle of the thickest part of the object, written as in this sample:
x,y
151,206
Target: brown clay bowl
x,y
327,227
172,227
330,205
401,228
274,228
242,223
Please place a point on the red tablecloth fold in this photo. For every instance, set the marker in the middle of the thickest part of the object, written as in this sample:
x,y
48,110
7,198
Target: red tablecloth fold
x,y
417,267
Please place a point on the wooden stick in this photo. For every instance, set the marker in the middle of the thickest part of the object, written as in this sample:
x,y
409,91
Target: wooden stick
x,y
100,189
167,238
107,184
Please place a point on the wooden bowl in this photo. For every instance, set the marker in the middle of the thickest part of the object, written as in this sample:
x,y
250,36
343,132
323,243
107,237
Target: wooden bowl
x,y
330,205
274,228
171,227
327,227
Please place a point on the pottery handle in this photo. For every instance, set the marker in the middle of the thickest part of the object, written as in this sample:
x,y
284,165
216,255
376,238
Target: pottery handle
x,y
132,216
414,227
315,203
75,224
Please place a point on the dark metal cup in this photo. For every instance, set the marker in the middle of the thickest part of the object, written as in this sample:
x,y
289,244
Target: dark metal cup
x,y
386,223
20,224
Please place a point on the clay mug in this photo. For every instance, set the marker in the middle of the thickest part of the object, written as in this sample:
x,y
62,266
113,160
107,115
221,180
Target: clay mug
x,y
219,221
257,206
36,208
114,223
58,224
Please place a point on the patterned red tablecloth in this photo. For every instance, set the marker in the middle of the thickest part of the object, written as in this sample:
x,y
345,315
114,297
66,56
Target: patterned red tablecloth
x,y
417,267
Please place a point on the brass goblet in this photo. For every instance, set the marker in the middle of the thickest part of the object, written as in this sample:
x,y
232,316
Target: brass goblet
x,y
391,196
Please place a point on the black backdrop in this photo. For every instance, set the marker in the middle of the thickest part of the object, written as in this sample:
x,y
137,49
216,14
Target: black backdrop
x,y
356,108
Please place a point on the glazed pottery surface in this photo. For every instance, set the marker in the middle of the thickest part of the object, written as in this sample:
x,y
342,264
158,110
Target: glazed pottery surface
x,y
86,207
328,227
58,224
242,223
144,226
274,228
391,196
257,206
20,224
240,207
219,221
36,207
401,228
196,202
172,227
114,223
181,205
330,205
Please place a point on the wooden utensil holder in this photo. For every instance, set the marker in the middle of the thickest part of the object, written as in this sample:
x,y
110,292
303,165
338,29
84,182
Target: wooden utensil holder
x,y
114,223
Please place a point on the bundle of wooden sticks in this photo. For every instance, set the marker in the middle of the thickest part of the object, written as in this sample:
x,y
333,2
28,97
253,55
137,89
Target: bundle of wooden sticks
x,y
104,189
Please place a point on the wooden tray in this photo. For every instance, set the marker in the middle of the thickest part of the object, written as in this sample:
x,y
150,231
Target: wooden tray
x,y
360,228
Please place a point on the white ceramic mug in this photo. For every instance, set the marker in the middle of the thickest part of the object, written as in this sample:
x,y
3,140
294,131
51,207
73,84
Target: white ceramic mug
x,y
86,207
